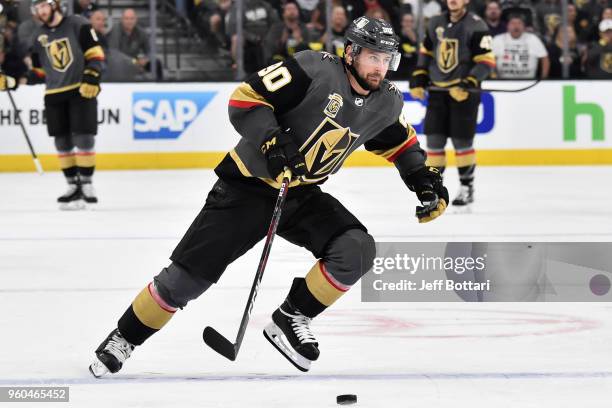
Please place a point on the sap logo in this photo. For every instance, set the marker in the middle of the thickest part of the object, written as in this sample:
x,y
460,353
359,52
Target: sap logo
x,y
166,115
415,110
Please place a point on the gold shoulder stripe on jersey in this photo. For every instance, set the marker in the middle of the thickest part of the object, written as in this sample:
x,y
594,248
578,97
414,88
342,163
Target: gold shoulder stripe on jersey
x,y
94,53
246,94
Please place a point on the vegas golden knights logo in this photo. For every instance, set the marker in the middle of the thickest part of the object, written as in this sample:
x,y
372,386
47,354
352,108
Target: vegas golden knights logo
x,y
447,55
606,62
326,149
58,51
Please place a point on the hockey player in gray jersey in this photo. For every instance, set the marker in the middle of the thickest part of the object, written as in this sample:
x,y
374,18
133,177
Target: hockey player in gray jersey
x,y
455,54
68,58
307,113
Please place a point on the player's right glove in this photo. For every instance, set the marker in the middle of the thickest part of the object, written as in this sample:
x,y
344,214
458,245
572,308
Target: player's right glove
x,y
418,82
7,82
427,184
90,87
281,152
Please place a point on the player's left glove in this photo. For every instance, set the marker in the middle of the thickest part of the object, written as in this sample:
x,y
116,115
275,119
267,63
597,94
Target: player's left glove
x,y
427,184
90,86
461,92
7,82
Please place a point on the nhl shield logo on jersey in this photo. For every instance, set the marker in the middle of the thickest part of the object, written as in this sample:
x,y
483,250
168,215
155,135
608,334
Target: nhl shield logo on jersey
x,y
326,149
334,105
59,53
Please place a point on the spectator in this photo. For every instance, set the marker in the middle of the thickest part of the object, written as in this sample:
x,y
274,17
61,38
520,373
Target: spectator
x,y
210,20
580,21
378,13
599,57
306,8
132,40
518,53
339,22
11,59
555,53
119,66
26,32
408,48
288,36
85,7
98,20
548,13
493,19
258,17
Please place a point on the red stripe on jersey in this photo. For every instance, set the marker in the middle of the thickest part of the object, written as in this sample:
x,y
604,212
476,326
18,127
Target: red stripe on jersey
x,y
408,143
465,152
244,104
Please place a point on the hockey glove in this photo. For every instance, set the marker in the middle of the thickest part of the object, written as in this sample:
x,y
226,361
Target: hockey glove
x,y
427,184
281,152
7,82
461,92
90,87
418,82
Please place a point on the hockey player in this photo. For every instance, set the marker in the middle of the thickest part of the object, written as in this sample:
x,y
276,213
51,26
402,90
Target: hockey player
x,y
68,57
455,54
307,113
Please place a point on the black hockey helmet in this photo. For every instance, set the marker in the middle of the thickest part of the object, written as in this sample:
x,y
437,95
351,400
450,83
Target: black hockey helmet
x,y
374,34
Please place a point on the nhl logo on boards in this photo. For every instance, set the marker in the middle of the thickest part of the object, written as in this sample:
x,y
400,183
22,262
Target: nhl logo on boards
x,y
359,101
334,105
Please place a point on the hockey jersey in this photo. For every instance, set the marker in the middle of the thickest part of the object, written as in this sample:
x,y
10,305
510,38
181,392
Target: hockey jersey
x,y
61,54
310,99
452,51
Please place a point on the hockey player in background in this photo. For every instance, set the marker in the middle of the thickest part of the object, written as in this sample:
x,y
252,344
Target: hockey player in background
x,y
68,58
455,54
307,113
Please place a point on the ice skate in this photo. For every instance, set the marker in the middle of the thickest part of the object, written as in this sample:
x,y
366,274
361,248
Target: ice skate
x,y
464,200
72,199
111,354
89,193
290,333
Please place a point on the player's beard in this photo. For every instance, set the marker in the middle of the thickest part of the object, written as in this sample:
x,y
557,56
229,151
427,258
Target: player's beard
x,y
372,80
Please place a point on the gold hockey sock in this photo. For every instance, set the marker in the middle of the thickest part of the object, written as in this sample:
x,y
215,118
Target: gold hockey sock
x,y
147,314
316,292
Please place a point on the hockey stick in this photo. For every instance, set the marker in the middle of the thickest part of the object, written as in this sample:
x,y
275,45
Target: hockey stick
x,y
39,168
212,337
479,90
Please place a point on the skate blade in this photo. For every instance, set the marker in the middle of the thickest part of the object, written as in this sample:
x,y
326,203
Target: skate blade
x,y
77,205
277,338
98,369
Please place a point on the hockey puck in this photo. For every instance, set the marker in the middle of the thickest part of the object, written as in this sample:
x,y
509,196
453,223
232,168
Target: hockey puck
x,y
346,399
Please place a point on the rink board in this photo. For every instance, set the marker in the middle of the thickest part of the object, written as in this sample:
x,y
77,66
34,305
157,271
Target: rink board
x,y
158,126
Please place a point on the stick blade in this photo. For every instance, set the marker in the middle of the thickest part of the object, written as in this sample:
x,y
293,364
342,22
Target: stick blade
x,y
219,343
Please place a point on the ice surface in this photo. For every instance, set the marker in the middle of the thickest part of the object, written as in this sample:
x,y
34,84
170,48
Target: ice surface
x,y
66,277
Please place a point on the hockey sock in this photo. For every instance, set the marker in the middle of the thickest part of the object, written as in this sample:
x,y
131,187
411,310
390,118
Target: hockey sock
x,y
146,315
437,159
466,165
68,165
86,162
319,290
